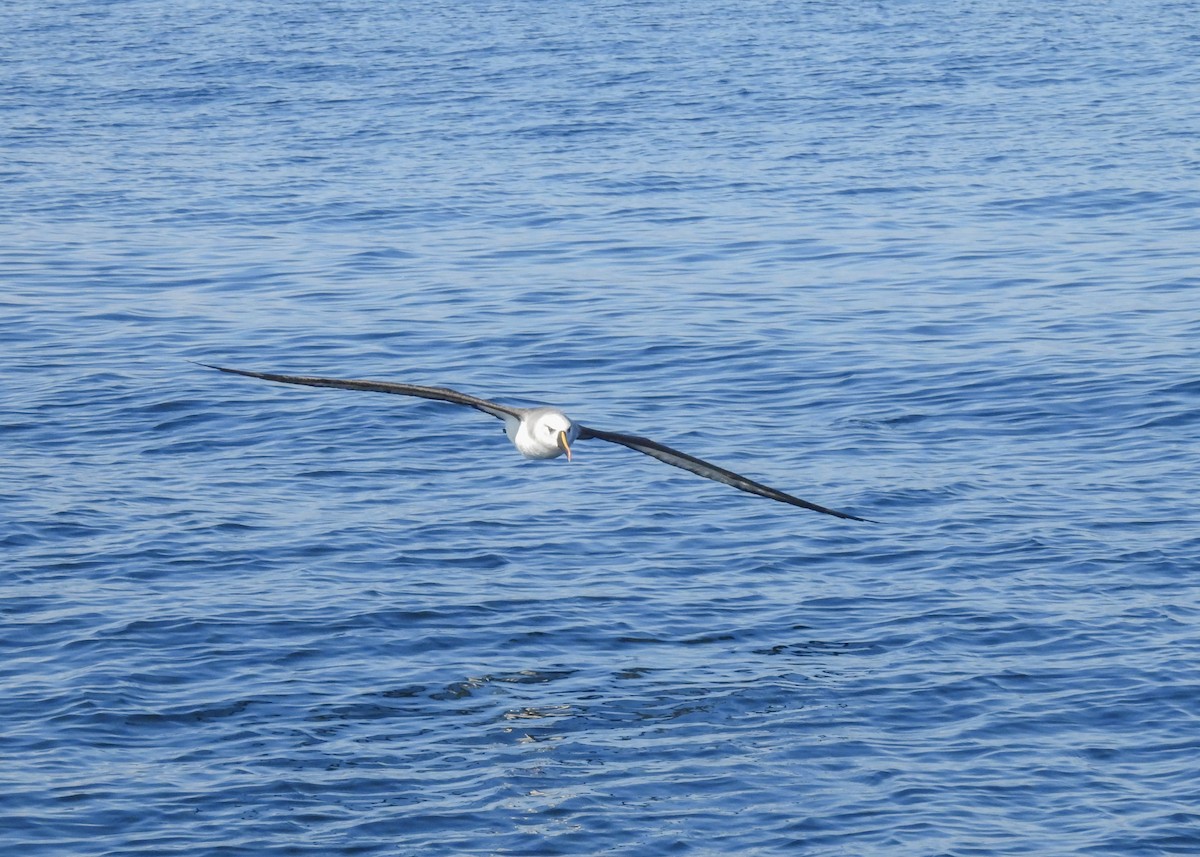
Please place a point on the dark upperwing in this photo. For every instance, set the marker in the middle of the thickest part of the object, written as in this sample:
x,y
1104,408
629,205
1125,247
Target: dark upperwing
x,y
441,394
700,467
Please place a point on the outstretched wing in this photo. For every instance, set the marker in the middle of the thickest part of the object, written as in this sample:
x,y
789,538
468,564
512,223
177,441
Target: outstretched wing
x,y
664,453
440,394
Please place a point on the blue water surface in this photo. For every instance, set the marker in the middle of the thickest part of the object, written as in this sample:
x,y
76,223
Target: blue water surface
x,y
934,264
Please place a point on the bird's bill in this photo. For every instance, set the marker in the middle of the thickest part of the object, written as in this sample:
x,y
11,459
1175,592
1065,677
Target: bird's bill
x,y
563,444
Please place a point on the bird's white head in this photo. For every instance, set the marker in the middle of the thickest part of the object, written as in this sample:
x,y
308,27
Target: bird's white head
x,y
543,433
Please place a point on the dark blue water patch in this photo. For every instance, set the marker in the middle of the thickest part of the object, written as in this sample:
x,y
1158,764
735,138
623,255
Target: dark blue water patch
x,y
1098,203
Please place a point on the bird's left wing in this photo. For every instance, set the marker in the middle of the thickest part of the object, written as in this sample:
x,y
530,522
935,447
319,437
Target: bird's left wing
x,y
441,394
666,454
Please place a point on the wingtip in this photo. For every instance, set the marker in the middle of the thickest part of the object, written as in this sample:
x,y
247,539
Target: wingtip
x,y
847,516
225,369
850,517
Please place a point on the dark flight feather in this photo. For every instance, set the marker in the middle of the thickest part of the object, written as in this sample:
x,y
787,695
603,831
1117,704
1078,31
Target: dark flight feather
x,y
708,470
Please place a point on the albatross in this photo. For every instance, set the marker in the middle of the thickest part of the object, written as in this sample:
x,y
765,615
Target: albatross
x,y
545,432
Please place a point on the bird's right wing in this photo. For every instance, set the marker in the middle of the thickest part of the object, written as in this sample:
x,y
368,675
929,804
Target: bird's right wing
x,y
441,394
700,467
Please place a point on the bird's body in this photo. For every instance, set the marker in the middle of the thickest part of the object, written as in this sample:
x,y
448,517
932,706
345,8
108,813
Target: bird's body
x,y
545,432
541,432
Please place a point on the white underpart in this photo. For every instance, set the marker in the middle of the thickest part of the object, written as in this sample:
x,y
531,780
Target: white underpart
x,y
536,434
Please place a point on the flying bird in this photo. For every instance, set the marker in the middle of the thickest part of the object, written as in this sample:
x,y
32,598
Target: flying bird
x,y
545,432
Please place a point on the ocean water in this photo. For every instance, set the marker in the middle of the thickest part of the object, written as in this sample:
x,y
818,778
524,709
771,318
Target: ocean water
x,y
934,264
